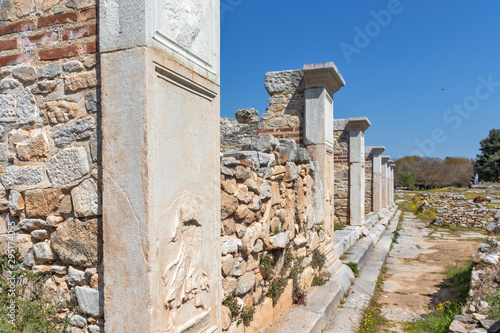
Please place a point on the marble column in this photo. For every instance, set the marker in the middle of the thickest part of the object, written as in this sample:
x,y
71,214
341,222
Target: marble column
x,y
161,199
385,167
322,81
393,166
389,184
357,127
377,178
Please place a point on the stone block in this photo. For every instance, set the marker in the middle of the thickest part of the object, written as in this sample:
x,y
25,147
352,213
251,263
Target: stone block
x,y
79,130
67,166
89,301
86,199
76,242
43,253
23,175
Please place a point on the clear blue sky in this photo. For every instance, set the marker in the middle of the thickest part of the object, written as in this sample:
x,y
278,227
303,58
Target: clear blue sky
x,y
396,80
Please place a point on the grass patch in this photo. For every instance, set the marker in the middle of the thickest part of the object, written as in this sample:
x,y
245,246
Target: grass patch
x,y
338,226
232,304
372,317
438,321
354,268
494,302
395,236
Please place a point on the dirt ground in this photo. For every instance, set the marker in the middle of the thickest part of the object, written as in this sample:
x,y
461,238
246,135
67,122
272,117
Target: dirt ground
x,y
415,266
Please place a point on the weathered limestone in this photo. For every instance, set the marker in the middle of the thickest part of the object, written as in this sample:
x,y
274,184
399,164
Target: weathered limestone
x,y
391,192
161,203
357,169
385,167
389,183
377,178
322,81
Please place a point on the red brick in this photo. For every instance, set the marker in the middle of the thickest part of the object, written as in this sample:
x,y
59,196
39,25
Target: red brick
x,y
42,39
16,27
8,44
16,59
85,31
285,129
57,19
90,47
266,130
87,14
61,52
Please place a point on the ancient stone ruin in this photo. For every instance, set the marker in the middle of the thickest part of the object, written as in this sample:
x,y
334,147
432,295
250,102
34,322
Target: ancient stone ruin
x,y
123,187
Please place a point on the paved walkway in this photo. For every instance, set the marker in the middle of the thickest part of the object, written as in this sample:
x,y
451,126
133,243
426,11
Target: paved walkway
x,y
414,269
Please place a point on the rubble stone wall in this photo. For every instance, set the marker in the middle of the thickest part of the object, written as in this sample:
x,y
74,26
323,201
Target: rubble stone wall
x,y
50,148
341,165
269,198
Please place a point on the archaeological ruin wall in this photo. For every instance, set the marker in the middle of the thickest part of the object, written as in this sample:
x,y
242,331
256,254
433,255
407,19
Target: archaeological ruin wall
x,y
50,149
115,165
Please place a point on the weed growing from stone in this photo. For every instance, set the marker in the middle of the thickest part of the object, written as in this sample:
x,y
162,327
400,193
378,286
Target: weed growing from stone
x,y
318,280
32,313
277,230
338,226
354,268
279,179
318,260
276,288
494,303
395,236
266,261
232,304
247,315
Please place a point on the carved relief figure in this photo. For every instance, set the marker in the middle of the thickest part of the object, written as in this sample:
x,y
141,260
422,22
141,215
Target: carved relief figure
x,y
186,282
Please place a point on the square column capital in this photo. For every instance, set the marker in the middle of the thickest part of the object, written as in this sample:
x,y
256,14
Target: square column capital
x,y
323,75
385,159
359,123
376,150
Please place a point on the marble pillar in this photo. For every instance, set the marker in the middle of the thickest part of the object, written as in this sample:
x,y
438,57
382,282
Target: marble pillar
x,y
161,199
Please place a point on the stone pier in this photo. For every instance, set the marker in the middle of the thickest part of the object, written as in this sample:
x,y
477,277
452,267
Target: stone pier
x,y
321,82
377,187
385,196
357,169
391,192
350,169
160,124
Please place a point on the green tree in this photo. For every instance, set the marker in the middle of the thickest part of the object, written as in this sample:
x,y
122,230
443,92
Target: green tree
x,y
407,180
488,162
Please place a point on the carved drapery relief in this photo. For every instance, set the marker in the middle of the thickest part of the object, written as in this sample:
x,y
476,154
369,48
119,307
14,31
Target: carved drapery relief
x,y
186,295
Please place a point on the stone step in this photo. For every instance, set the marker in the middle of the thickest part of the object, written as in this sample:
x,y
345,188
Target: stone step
x,y
348,318
359,251
322,301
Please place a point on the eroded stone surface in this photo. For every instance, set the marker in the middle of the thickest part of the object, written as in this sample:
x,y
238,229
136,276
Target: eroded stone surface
x,y
68,165
76,242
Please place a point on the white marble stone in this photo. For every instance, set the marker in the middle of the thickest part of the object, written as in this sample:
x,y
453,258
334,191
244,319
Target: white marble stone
x,y
161,178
